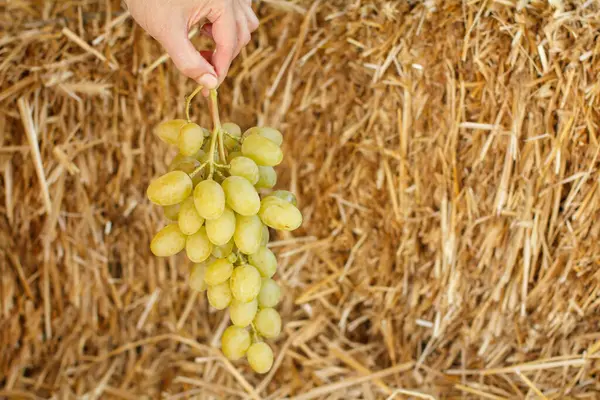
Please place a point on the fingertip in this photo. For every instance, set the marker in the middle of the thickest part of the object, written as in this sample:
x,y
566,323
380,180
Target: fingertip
x,y
209,81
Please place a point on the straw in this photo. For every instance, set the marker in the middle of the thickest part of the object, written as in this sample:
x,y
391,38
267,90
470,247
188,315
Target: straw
x,y
445,157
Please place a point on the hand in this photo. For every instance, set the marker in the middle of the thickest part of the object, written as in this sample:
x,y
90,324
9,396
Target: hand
x,y
228,22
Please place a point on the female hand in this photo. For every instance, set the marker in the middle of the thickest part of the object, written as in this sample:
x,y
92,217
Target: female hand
x,y
228,22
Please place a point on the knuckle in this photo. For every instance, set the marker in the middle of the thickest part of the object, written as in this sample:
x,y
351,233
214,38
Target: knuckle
x,y
245,37
252,25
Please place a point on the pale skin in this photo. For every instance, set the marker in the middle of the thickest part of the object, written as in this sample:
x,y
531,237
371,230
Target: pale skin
x,y
228,23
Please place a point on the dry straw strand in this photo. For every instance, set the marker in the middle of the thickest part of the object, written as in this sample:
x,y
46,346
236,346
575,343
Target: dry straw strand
x,y
445,156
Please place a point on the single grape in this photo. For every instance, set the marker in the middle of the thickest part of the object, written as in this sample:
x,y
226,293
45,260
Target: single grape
x,y
206,133
287,196
168,131
268,322
235,342
203,157
183,163
189,220
197,246
209,199
190,139
220,230
260,357
187,165
265,236
248,232
264,260
232,257
241,195
269,294
279,214
270,133
219,296
245,283
218,272
244,167
261,150
233,155
242,314
172,211
169,189
267,178
196,280
222,251
233,130
168,241
199,155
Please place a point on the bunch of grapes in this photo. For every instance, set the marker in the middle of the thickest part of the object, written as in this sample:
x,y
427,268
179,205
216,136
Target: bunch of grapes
x,y
218,193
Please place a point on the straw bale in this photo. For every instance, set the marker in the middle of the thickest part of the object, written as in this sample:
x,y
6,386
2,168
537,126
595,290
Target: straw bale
x,y
445,156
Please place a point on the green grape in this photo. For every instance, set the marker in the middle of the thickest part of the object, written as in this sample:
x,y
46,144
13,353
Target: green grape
x,y
233,155
168,131
218,272
206,133
264,260
264,238
222,251
268,322
245,283
242,314
267,178
235,342
190,139
261,150
270,133
197,246
169,189
287,196
209,199
187,165
196,280
279,214
269,294
183,163
241,196
200,154
248,232
219,296
244,167
233,130
168,241
189,219
232,257
260,357
220,230
172,211
203,157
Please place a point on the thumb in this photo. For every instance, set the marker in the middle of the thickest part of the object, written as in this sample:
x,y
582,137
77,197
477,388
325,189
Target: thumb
x,y
188,59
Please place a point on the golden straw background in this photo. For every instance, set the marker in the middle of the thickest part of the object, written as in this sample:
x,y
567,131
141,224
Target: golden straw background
x,y
445,155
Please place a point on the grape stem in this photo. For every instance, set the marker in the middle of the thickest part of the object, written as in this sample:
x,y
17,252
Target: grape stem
x,y
229,135
197,170
188,102
214,113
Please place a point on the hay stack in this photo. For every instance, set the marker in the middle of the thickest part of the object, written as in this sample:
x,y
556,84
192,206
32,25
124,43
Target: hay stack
x,y
445,155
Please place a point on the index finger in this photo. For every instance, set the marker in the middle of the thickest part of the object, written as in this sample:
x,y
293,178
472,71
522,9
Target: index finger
x,y
224,32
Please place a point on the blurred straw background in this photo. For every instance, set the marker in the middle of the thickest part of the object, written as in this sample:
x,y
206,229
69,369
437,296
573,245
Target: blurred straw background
x,y
445,155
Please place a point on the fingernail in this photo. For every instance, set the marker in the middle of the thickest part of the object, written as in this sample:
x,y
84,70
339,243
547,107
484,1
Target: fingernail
x,y
208,81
